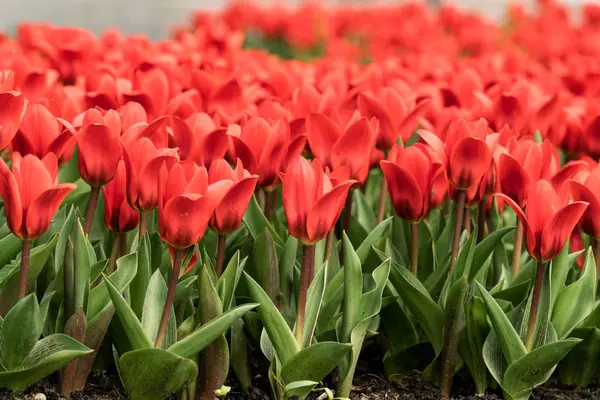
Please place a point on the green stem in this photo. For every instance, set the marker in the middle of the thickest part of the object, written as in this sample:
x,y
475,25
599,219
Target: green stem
x,y
270,203
114,252
414,247
143,225
382,200
306,277
516,261
460,211
329,245
535,302
164,319
220,255
467,224
91,209
25,250
481,220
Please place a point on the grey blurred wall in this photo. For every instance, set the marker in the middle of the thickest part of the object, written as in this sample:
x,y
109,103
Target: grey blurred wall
x,y
155,17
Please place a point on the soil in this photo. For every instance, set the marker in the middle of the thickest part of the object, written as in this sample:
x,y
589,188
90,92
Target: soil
x,y
369,384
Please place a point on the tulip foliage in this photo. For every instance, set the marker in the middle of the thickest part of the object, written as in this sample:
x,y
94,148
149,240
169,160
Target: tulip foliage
x,y
176,213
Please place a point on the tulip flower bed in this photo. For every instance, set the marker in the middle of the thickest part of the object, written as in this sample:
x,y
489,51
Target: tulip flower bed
x,y
395,202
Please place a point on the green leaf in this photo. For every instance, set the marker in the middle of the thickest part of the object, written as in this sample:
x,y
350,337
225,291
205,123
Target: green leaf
x,y
581,365
239,355
484,249
472,340
417,299
48,355
314,301
9,293
154,303
376,234
364,212
266,268
575,302
143,373
256,222
228,282
314,362
559,269
139,285
207,333
352,289
99,299
300,388
21,331
279,332
65,232
508,338
287,260
83,262
536,367
131,325
11,246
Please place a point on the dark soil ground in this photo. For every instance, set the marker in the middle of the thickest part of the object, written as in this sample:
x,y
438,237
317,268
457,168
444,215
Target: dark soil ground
x,y
369,384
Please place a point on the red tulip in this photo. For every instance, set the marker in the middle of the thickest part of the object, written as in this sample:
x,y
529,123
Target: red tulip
x,y
336,145
186,203
12,108
312,204
466,154
118,214
30,193
411,175
230,211
99,147
199,139
262,148
548,220
397,118
144,161
40,133
587,189
527,163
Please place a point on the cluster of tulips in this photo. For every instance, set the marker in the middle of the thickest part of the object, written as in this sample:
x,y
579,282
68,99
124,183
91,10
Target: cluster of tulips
x,y
181,206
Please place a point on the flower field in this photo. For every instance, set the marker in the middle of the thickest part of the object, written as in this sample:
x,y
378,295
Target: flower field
x,y
315,193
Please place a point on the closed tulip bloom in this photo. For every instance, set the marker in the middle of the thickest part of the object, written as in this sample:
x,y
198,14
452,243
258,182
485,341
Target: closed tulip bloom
x,y
186,203
548,220
336,145
397,117
465,152
118,214
526,163
312,204
587,189
262,148
31,194
12,108
412,175
230,211
143,162
99,147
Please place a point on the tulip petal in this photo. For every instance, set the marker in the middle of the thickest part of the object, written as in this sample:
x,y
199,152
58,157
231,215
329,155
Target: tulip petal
x,y
12,106
410,122
530,237
435,143
9,190
469,161
322,134
184,219
231,209
299,192
99,154
32,177
325,211
44,207
353,148
147,182
590,222
406,194
513,179
558,229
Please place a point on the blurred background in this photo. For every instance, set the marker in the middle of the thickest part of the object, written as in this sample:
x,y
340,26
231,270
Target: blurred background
x,y
156,17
